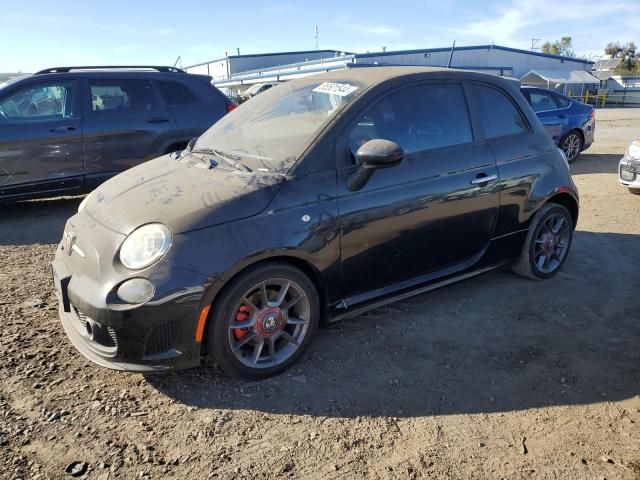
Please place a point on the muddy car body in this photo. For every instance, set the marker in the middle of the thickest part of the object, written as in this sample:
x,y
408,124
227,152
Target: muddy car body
x,y
319,199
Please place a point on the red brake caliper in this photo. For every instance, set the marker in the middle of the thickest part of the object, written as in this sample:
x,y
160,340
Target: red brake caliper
x,y
242,315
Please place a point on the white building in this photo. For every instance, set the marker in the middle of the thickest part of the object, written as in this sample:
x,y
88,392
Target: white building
x,y
239,71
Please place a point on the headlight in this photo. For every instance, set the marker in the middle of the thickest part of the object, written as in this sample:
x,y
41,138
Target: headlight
x,y
634,150
145,246
83,203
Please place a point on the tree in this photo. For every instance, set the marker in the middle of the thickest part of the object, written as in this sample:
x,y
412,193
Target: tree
x,y
559,47
629,55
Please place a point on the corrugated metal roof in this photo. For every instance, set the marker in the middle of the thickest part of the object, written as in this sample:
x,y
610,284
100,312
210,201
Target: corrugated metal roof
x,y
273,54
473,47
560,76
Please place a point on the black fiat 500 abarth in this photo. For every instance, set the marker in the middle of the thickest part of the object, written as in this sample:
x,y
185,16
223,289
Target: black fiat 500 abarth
x,y
319,199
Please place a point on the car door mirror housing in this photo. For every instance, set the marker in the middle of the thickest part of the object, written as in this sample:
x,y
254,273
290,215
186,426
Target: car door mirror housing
x,y
371,156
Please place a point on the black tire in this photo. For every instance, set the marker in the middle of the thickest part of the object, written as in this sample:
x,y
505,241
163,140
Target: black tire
x,y
218,337
526,265
572,145
635,191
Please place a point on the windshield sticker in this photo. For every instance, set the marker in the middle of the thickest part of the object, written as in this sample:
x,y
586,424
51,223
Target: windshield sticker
x,y
340,89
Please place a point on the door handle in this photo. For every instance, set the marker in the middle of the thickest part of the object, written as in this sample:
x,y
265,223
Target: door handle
x,y
562,115
158,120
62,129
483,178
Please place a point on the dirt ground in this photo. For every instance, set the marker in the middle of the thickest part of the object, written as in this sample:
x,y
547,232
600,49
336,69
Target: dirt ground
x,y
496,377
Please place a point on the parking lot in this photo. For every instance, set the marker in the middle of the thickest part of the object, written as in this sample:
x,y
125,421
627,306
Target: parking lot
x,y
495,377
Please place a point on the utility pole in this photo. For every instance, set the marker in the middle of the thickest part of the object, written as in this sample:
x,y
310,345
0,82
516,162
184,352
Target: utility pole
x,y
534,44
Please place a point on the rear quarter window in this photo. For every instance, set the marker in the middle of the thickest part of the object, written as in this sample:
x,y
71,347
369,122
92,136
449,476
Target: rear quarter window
x,y
563,102
176,93
499,115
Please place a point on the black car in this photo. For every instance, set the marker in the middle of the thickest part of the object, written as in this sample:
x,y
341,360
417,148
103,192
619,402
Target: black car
x,y
65,130
317,200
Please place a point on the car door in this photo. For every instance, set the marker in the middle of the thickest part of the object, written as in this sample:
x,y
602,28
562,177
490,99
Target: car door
x,y
126,123
516,147
41,137
433,213
554,118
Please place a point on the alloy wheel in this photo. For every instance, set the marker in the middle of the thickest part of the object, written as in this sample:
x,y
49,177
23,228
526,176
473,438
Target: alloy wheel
x,y
551,244
571,146
269,323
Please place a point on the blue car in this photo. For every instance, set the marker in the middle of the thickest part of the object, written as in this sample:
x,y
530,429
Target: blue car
x,y
571,124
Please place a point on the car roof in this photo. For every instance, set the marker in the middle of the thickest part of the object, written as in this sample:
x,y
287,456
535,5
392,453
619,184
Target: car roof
x,y
376,75
110,73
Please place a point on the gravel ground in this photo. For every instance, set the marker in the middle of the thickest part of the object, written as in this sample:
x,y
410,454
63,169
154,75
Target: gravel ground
x,y
495,377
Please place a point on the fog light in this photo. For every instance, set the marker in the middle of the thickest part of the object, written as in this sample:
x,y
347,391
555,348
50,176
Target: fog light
x,y
136,290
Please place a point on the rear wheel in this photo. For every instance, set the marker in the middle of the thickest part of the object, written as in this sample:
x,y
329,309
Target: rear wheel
x,y
264,321
571,145
547,244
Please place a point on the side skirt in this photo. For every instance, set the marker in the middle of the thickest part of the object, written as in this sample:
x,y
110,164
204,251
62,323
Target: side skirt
x,y
366,306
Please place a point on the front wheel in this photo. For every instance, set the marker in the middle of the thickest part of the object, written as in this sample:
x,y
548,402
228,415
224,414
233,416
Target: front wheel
x,y
547,244
635,191
571,145
264,321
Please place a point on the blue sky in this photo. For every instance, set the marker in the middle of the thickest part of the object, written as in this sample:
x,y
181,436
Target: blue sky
x,y
39,34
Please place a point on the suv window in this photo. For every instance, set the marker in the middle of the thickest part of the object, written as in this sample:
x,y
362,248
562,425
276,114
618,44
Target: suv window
x,y
542,101
416,118
45,101
175,93
499,116
121,95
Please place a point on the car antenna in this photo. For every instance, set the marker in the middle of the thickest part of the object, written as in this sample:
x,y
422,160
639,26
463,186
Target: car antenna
x,y
453,47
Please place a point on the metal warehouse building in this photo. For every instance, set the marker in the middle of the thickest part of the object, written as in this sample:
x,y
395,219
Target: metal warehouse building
x,y
238,72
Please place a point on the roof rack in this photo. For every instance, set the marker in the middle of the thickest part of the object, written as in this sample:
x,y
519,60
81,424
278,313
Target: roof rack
x,y
112,67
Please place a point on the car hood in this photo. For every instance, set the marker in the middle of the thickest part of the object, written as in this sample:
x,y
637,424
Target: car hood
x,y
183,196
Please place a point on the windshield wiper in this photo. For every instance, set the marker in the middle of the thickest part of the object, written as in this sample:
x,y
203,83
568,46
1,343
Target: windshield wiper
x,y
234,160
228,158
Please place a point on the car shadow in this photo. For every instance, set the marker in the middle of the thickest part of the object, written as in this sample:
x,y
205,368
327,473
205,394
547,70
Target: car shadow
x,y
495,343
36,221
588,163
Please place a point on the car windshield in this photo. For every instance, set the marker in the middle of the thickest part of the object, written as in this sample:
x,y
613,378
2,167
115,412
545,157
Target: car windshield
x,y
11,81
273,130
253,88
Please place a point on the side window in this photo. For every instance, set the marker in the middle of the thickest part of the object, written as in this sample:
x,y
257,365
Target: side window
x,y
175,93
416,118
542,101
121,95
43,102
499,116
563,102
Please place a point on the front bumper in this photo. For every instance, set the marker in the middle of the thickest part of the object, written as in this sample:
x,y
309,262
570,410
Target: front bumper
x,y
629,172
158,335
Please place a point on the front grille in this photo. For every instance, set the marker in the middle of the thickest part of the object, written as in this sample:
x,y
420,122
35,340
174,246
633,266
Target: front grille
x,y
162,338
112,334
107,339
82,318
629,171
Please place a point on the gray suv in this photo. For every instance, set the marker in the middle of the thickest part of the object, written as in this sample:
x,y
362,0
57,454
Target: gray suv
x,y
66,130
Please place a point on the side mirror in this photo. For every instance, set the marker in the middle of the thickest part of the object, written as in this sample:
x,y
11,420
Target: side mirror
x,y
371,156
